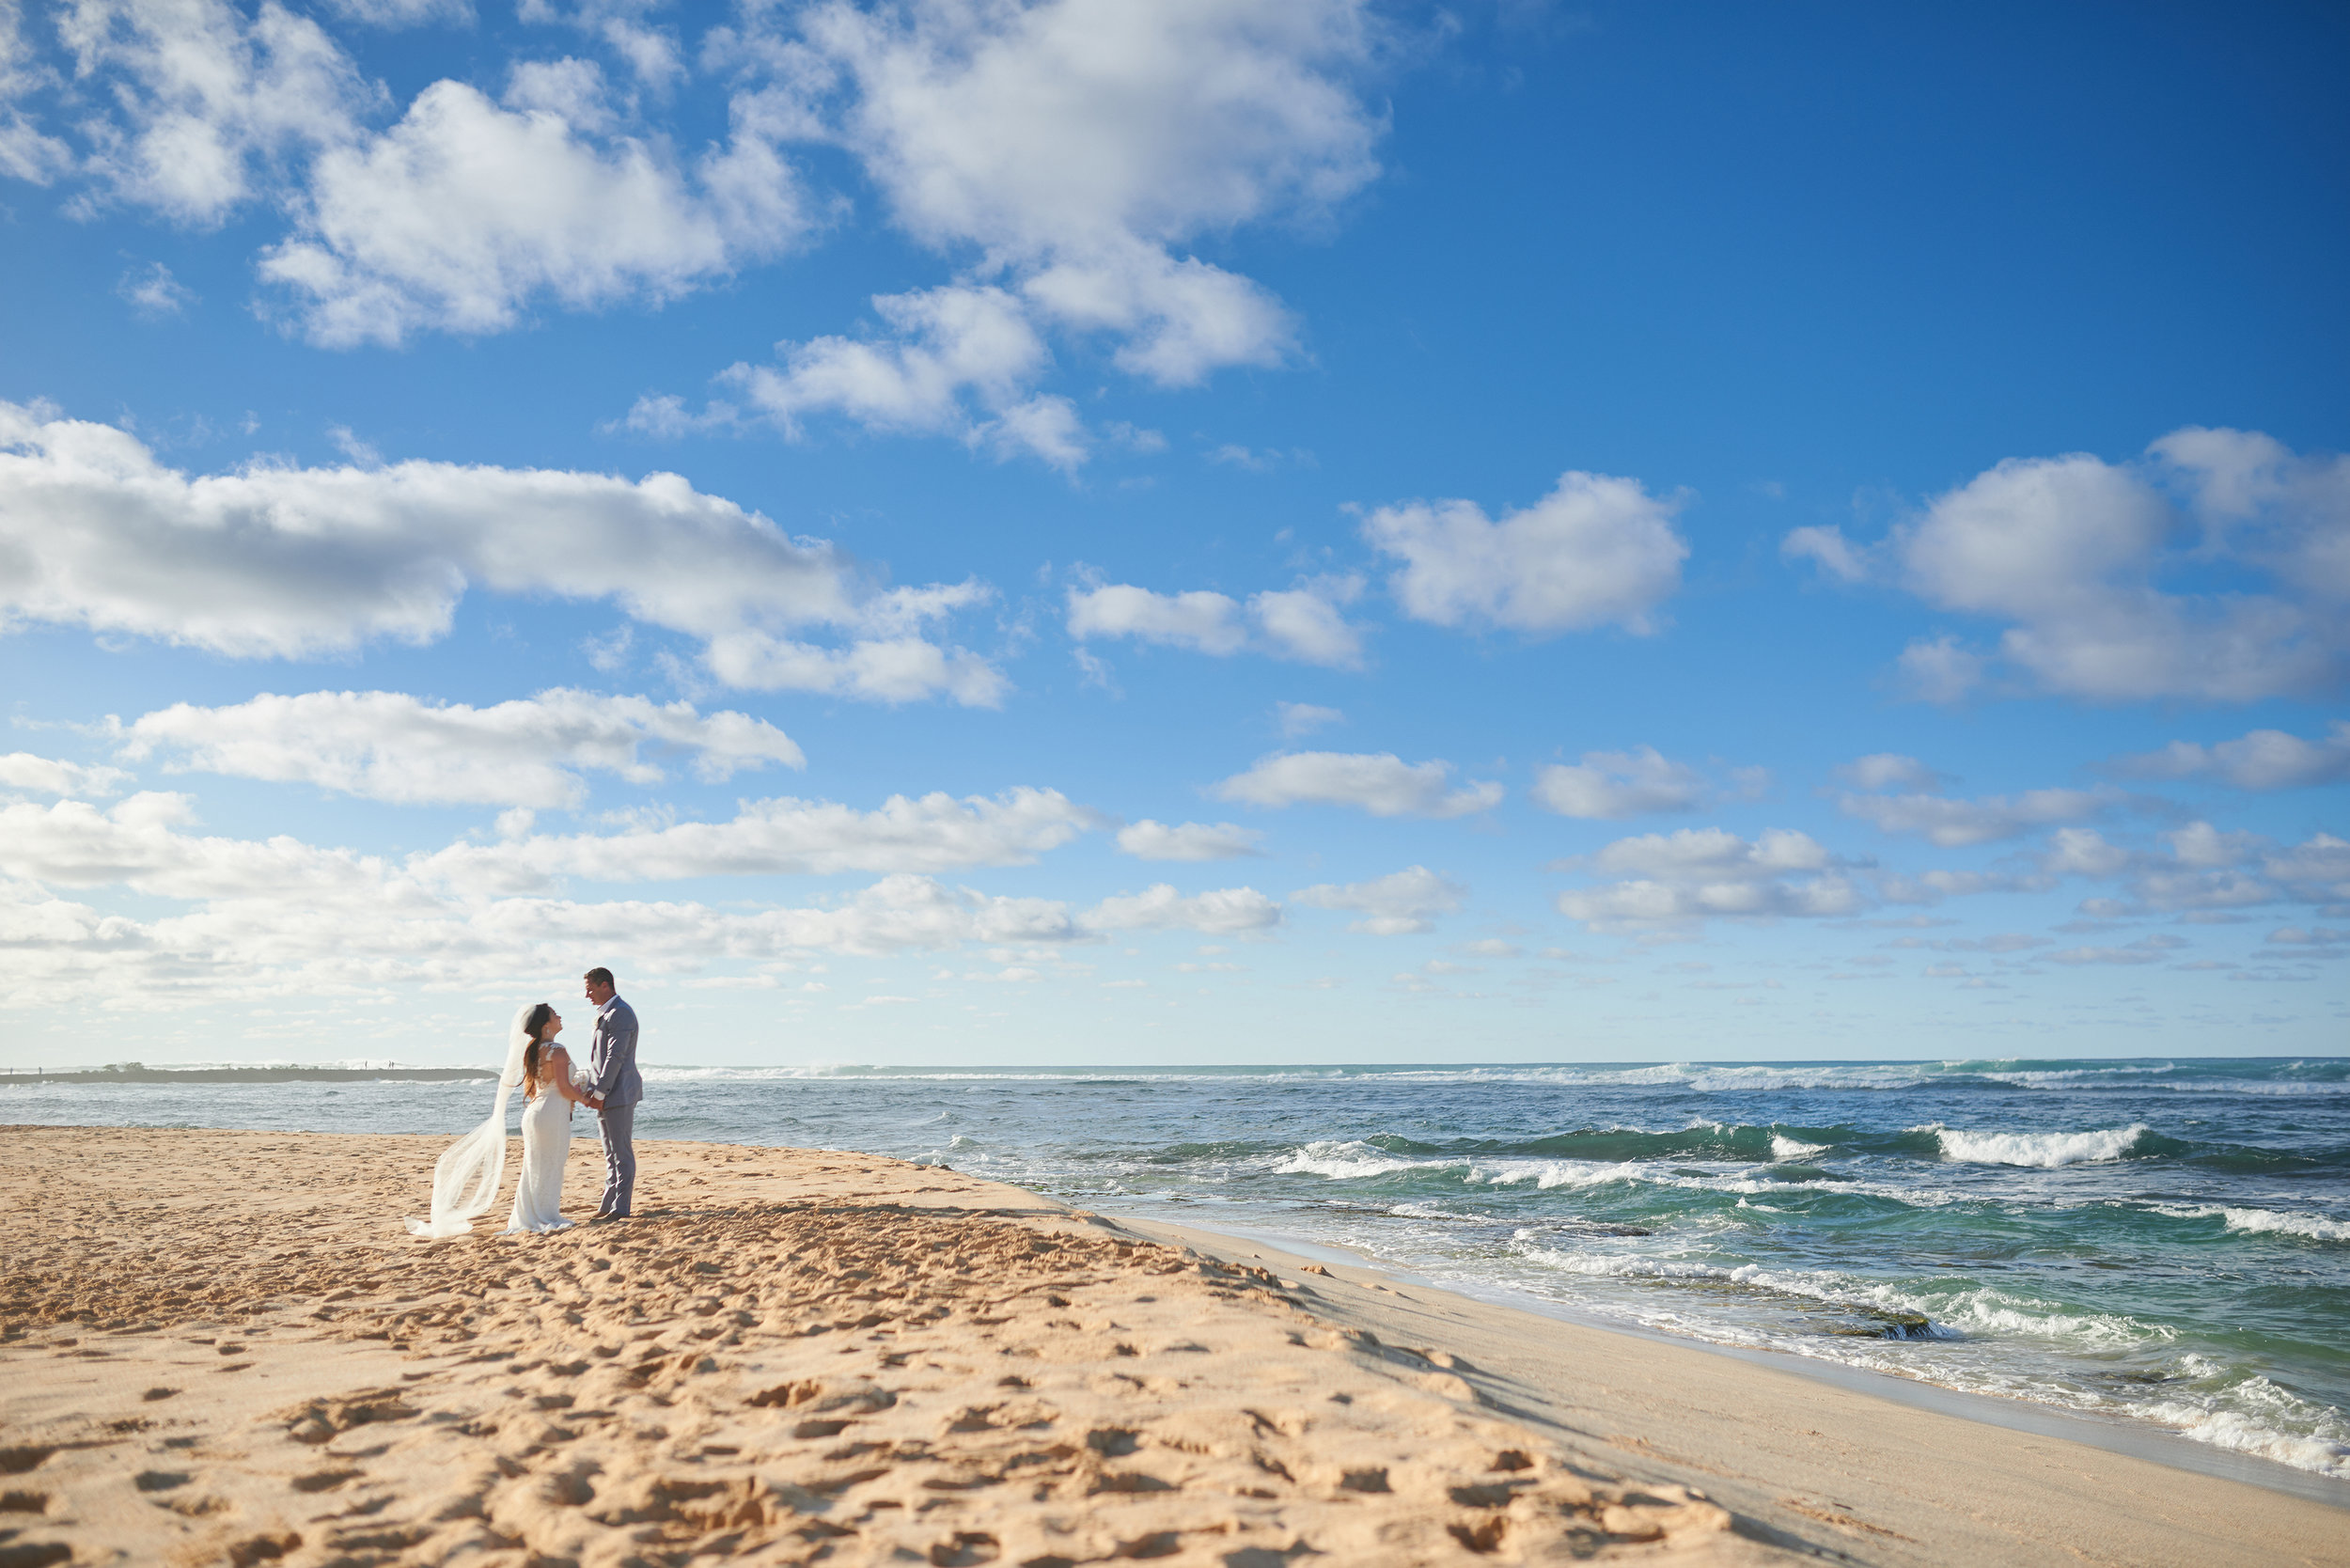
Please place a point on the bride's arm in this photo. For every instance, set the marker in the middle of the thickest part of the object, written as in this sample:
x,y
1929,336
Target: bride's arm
x,y
560,1074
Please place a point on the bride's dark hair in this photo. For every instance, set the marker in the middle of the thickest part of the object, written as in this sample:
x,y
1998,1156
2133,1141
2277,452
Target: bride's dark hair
x,y
540,1016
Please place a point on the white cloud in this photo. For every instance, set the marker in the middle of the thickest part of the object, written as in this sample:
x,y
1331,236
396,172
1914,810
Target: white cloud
x,y
1062,152
22,770
388,745
1614,784
1953,823
2084,852
1829,548
1202,621
459,216
1181,319
1671,878
1595,550
2075,554
1063,156
570,90
1398,905
2003,943
281,918
1938,669
1155,840
781,837
198,103
1233,455
136,843
2151,949
1304,623
884,669
2202,845
2204,870
1380,783
1071,142
309,939
25,152
610,652
2264,760
402,13
1220,912
463,212
287,562
651,54
940,344
153,293
1045,427
348,441
1882,770
1303,718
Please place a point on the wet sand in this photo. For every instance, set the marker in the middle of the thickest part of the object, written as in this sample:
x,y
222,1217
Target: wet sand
x,y
222,1347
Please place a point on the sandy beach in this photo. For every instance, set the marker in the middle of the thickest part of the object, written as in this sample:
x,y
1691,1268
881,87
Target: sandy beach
x,y
221,1347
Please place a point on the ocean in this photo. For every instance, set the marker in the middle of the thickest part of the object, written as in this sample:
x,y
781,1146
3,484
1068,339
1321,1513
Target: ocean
x,y
2161,1241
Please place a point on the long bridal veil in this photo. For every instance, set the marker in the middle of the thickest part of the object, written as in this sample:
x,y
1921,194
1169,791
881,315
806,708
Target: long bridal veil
x,y
466,1178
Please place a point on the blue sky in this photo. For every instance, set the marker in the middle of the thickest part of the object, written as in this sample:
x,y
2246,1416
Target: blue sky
x,y
1075,532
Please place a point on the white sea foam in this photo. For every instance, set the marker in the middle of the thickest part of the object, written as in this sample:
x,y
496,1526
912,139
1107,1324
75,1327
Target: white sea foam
x,y
1352,1160
686,1074
2131,1075
1343,1162
2253,1416
2045,1150
2222,1428
1719,1080
1549,1174
1992,1313
2289,1090
1785,1148
2288,1223
2247,1220
1983,1309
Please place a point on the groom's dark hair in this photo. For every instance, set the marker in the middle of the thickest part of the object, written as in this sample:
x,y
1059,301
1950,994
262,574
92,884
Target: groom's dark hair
x,y
597,977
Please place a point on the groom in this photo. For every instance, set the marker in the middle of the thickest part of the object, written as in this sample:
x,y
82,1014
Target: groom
x,y
612,1062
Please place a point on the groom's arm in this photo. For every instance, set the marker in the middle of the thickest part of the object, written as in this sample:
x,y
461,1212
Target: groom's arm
x,y
619,1050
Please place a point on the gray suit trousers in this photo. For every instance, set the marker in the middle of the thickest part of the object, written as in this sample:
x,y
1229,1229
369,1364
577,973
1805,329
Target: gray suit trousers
x,y
620,1158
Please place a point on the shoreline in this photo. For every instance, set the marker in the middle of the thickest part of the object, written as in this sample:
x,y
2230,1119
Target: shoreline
x,y
219,1346
2114,1433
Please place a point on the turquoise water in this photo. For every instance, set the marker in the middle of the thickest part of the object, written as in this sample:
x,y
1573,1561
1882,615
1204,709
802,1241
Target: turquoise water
x,y
2166,1241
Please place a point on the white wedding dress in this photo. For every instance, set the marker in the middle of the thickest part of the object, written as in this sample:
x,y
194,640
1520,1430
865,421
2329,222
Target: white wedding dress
x,y
546,1144
465,1177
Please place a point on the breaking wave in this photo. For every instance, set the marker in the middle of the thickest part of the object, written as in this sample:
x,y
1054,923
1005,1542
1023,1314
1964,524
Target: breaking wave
x,y
2045,1150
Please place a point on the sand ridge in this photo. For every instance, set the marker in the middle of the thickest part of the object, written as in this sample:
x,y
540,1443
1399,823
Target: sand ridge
x,y
218,1348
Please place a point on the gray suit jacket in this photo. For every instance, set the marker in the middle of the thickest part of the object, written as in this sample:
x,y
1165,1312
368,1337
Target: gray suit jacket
x,y
612,1059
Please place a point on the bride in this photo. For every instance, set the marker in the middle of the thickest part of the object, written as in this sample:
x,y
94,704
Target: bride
x,y
548,1081
466,1178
